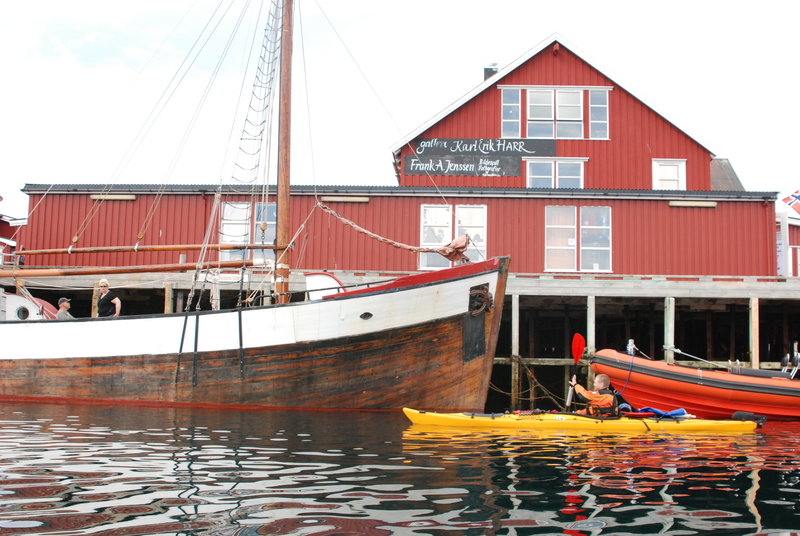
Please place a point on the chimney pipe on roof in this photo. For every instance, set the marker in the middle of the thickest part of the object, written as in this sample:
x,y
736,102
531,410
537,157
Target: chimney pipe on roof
x,y
489,71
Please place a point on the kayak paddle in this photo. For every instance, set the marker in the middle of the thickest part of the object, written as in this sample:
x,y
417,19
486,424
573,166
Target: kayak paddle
x,y
578,345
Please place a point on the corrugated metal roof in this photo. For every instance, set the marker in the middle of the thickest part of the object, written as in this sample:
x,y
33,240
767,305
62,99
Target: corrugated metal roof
x,y
558,193
723,177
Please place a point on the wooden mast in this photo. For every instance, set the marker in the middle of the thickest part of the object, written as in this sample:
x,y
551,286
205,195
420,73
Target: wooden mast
x,y
93,270
143,249
282,232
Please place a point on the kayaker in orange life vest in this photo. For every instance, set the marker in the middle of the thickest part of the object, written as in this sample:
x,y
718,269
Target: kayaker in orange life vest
x,y
602,401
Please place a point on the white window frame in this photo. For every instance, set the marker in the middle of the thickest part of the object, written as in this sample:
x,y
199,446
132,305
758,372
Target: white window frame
x,y
595,248
434,230
569,246
599,107
234,228
673,164
476,229
556,112
566,119
508,110
554,240
552,112
263,208
440,230
554,176
548,118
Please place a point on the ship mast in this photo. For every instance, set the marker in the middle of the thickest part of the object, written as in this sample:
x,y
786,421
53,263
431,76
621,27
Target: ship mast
x,y
282,232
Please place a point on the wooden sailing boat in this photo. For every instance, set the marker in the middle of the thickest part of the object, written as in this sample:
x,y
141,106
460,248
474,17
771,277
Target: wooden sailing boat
x,y
423,340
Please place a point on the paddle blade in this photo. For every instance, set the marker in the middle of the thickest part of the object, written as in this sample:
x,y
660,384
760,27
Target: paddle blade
x,y
578,345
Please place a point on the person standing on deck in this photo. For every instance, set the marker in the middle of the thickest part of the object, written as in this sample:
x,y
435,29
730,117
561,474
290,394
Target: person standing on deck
x,y
63,309
108,304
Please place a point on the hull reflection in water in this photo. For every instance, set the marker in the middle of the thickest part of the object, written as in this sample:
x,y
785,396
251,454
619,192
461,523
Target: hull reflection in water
x,y
137,471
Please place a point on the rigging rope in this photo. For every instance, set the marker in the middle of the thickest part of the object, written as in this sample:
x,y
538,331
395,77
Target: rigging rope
x,y
252,143
32,212
376,95
533,384
195,116
454,251
147,125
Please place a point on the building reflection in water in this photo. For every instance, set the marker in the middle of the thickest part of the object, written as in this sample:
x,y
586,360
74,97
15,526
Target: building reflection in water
x,y
131,471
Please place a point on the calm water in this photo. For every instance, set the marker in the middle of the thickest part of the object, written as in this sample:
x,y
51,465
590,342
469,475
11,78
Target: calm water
x,y
129,471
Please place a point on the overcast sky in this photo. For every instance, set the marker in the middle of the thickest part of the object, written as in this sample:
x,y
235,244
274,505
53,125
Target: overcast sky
x,y
79,79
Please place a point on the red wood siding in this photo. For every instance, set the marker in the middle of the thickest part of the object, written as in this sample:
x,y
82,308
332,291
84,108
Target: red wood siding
x,y
6,231
177,219
637,134
794,235
649,237
794,249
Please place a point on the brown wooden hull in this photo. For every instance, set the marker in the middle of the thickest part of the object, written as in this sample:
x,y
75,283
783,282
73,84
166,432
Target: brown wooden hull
x,y
422,363
441,364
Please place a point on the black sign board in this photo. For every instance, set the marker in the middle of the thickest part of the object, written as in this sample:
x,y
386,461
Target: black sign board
x,y
482,157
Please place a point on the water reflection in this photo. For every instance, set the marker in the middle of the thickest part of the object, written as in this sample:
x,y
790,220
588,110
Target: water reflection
x,y
101,470
650,483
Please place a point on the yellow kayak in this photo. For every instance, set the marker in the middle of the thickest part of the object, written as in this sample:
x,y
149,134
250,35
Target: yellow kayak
x,y
577,423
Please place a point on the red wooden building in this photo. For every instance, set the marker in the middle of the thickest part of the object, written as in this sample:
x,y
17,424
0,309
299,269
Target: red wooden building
x,y
8,232
548,160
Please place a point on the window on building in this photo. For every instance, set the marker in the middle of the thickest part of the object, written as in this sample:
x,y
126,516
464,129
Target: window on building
x,y
264,228
595,239
559,247
555,173
437,226
471,220
238,226
540,113
234,229
598,114
436,230
569,114
555,113
669,174
563,251
511,113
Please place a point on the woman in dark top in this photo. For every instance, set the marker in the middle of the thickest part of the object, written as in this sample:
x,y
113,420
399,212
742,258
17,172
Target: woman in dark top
x,y
108,304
